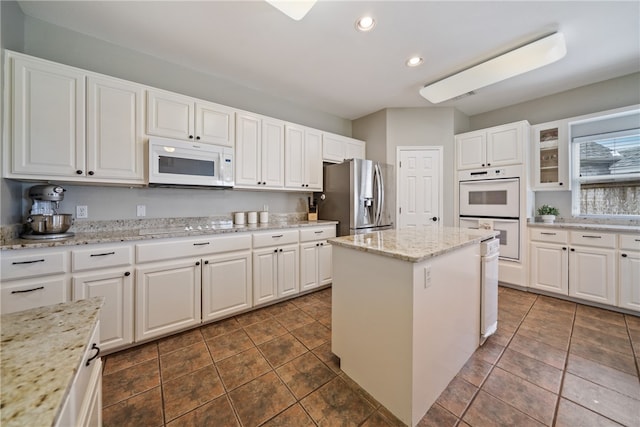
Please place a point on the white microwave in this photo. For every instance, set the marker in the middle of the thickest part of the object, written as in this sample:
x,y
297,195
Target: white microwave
x,y
180,163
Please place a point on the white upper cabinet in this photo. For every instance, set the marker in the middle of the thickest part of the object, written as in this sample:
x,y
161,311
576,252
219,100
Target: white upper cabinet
x,y
48,122
497,146
259,152
172,115
550,147
50,118
337,148
303,158
115,140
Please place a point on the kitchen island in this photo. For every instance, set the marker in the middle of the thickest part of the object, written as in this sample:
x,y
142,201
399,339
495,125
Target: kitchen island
x,y
43,365
406,311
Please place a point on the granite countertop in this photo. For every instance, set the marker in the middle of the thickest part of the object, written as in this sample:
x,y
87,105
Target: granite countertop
x,y
41,351
137,234
414,244
588,226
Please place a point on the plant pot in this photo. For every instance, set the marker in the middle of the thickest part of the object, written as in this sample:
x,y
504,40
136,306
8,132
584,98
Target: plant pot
x,y
548,219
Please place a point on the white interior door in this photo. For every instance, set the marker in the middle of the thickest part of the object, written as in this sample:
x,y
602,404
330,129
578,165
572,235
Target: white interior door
x,y
419,186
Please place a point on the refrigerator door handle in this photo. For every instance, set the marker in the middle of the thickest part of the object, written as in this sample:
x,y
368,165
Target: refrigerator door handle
x,y
380,193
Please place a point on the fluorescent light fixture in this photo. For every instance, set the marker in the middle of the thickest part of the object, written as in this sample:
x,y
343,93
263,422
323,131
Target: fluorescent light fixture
x,y
518,61
294,9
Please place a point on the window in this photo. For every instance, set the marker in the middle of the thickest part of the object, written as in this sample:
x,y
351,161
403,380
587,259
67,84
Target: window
x,y
606,169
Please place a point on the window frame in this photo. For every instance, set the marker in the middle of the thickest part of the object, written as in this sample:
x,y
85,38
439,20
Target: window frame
x,y
574,152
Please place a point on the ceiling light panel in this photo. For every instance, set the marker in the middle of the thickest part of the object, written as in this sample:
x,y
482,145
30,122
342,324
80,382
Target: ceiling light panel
x,y
518,61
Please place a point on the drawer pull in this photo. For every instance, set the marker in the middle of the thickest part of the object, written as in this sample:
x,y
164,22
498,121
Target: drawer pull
x,y
592,237
28,262
276,236
624,255
548,234
319,232
637,240
104,254
201,244
27,290
95,356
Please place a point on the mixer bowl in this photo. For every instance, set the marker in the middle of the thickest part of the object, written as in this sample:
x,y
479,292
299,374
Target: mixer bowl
x,y
49,224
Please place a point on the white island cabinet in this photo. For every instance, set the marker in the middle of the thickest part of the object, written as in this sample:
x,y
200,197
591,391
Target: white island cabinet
x,y
406,312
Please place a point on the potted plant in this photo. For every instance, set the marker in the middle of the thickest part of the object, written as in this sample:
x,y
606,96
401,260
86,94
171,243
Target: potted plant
x,y
548,213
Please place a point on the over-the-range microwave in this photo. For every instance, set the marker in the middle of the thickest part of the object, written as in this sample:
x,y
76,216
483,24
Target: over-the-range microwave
x,y
189,164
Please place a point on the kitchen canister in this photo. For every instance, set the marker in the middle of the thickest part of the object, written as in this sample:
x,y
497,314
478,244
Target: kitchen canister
x,y
252,217
264,217
238,218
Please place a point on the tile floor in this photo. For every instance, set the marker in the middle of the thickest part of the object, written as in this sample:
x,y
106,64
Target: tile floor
x,y
552,362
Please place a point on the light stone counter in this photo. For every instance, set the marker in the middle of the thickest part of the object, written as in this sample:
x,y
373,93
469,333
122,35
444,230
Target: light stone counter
x,y
41,351
616,228
162,231
414,244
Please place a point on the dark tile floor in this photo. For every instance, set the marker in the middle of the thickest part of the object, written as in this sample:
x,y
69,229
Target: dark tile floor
x,y
552,362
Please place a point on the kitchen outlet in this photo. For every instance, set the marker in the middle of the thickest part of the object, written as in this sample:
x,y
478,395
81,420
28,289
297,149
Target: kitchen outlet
x,y
141,210
427,276
82,212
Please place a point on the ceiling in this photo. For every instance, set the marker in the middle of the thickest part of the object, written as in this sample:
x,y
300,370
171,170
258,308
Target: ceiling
x,y
322,62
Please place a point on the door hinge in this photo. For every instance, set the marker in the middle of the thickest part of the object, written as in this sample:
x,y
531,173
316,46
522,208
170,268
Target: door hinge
x,y
400,164
400,208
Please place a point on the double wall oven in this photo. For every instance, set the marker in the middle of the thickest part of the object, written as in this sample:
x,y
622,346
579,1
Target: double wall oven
x,y
490,198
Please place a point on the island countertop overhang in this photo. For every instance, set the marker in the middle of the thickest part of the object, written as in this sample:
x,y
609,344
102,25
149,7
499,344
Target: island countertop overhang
x,y
414,244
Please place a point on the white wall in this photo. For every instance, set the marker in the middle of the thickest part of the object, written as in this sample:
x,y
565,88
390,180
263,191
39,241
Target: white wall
x,y
388,129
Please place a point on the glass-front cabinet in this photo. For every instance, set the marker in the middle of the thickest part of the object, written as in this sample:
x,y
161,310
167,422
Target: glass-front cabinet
x,y
551,156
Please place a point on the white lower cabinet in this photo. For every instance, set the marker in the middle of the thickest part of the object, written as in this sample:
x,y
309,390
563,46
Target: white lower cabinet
x,y
316,268
83,406
106,271
275,273
33,278
116,315
592,274
168,297
580,264
226,285
629,272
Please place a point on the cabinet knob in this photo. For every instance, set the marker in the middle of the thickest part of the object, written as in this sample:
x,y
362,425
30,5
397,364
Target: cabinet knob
x,y
198,138
79,172
264,182
190,136
280,250
259,183
206,262
197,262
302,185
127,274
483,165
488,164
559,183
624,255
90,172
434,219
573,250
275,250
564,249
317,244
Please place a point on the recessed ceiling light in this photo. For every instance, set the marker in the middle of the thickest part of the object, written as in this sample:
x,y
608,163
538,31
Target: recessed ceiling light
x,y
366,23
414,61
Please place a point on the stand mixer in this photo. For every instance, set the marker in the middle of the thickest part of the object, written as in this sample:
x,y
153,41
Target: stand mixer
x,y
44,221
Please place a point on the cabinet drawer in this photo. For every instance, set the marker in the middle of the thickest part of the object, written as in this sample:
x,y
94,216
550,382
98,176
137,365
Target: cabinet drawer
x,y
172,249
549,235
31,293
317,233
630,242
22,265
275,238
590,238
100,257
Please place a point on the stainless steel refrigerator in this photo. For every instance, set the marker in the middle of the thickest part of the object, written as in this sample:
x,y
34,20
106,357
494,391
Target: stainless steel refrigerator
x,y
358,194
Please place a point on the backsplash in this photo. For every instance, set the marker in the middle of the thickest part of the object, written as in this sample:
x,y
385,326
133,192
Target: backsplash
x,y
13,231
